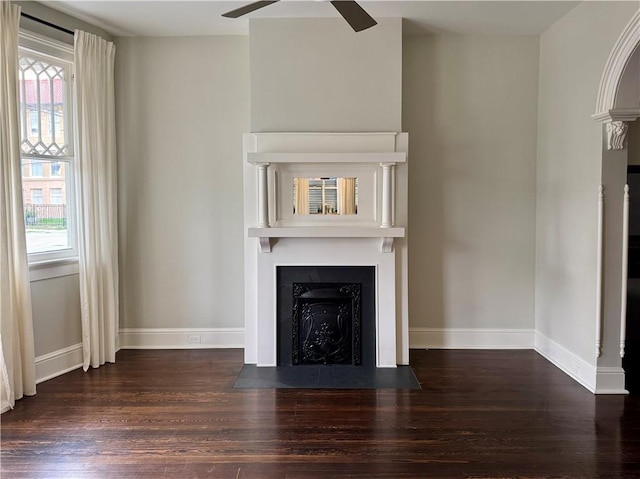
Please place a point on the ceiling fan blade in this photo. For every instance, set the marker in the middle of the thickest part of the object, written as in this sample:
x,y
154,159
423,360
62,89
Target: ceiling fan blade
x,y
354,14
238,12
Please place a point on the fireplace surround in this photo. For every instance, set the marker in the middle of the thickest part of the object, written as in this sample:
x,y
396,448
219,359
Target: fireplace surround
x,y
373,238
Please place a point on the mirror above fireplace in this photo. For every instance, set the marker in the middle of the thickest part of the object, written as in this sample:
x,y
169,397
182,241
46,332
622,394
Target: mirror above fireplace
x,y
325,196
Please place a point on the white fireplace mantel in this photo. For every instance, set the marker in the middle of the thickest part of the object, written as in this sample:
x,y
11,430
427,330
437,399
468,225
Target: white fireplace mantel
x,y
375,236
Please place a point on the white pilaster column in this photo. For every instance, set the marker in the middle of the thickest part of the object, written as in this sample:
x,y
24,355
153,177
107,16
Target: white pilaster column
x,y
387,199
263,195
599,272
625,259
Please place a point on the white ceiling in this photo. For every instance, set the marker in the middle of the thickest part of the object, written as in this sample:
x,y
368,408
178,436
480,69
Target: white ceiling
x,y
183,18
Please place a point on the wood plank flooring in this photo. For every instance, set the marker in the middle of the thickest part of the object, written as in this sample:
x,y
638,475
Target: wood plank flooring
x,y
175,414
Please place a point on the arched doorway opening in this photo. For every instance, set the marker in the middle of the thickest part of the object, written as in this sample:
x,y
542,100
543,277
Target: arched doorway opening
x,y
618,107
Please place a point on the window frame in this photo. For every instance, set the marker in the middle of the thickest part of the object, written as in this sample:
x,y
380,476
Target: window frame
x,y
46,49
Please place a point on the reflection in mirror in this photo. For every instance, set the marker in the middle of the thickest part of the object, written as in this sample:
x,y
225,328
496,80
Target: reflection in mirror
x,y
325,196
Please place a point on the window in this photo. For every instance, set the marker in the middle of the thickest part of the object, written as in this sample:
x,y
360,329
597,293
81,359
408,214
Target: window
x,y
37,197
45,74
56,196
56,168
36,168
323,196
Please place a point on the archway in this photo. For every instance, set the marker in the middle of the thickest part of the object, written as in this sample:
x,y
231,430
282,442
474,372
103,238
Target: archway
x,y
617,105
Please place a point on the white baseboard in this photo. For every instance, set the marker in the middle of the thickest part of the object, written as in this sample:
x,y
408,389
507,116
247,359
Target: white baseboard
x,y
598,380
601,380
51,365
572,364
181,338
467,338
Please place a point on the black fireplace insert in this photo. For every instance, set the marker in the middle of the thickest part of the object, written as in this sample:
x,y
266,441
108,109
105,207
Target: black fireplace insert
x,y
326,315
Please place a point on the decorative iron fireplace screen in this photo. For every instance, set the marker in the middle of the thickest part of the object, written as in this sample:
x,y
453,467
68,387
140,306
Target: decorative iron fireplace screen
x,y
326,323
326,315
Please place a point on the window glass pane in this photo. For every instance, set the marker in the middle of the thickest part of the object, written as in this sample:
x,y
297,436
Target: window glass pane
x,y
45,208
36,168
34,122
315,200
56,196
42,102
37,197
56,168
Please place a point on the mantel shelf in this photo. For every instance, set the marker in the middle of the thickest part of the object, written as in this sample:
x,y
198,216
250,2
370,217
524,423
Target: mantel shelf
x,y
265,235
329,157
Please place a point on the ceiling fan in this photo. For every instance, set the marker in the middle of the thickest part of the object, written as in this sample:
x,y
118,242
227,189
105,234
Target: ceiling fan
x,y
353,13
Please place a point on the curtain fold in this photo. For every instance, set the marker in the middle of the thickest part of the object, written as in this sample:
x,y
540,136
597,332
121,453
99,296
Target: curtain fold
x,y
347,196
95,152
17,354
302,196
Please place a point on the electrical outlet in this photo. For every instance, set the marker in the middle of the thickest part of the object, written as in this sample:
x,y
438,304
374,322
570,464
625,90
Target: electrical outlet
x,y
195,338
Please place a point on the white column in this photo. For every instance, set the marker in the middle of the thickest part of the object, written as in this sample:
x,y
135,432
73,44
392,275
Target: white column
x,y
625,258
387,199
263,195
599,272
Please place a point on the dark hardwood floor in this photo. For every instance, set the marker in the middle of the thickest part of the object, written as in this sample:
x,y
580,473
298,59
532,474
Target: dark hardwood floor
x,y
174,414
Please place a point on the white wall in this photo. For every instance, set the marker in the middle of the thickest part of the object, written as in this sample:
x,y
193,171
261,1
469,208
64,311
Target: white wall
x,y
469,105
182,106
317,74
56,313
573,53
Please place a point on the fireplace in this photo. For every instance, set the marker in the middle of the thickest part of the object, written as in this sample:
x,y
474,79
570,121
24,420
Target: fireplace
x,y
326,315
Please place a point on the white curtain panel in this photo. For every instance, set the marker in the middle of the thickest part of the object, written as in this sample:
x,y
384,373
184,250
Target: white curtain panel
x,y
97,197
302,196
17,356
347,196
